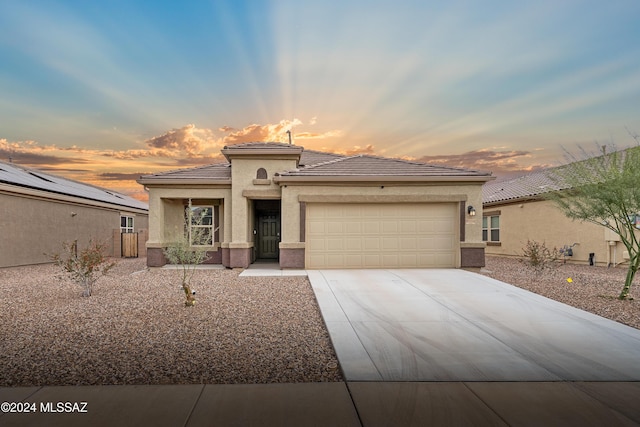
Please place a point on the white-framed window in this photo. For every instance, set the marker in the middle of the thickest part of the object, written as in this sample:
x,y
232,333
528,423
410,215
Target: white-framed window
x,y
200,225
491,228
126,224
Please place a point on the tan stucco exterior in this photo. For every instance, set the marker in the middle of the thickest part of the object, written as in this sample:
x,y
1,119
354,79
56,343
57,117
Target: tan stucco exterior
x,y
543,222
35,224
238,197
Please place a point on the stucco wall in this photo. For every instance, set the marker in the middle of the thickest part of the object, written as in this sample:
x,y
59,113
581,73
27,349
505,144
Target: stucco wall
x,y
166,211
543,222
33,228
244,177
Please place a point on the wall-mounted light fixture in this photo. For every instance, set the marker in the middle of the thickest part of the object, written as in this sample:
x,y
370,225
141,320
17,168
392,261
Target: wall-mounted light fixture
x,y
471,211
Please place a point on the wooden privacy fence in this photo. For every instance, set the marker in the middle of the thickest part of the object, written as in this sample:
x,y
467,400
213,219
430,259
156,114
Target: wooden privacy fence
x,y
129,245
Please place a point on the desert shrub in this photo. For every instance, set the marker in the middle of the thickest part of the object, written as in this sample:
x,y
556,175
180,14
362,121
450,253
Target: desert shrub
x,y
538,255
86,267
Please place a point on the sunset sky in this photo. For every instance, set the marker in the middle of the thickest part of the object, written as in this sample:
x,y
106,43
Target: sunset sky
x,y
104,91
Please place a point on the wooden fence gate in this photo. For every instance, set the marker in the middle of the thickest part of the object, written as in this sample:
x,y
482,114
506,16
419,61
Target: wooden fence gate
x,y
129,245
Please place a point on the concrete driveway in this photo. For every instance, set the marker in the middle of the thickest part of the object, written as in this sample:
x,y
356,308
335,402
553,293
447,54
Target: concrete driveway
x,y
454,325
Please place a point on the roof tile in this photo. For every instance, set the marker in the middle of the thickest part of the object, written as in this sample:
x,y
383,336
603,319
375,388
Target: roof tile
x,y
365,165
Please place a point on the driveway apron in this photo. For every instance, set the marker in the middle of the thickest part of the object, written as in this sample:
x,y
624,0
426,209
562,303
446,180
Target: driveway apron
x,y
455,325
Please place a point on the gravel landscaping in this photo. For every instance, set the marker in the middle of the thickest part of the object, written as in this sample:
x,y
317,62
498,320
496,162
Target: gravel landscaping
x,y
135,329
593,289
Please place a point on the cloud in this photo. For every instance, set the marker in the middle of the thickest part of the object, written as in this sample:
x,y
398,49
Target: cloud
x,y
120,176
187,146
368,149
318,135
31,153
259,133
187,139
274,132
500,163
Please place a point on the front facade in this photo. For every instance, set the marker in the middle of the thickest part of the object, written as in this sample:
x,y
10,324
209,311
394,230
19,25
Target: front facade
x,y
39,212
307,209
514,212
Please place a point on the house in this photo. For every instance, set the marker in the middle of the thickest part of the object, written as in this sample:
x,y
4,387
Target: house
x,y
40,211
308,209
515,211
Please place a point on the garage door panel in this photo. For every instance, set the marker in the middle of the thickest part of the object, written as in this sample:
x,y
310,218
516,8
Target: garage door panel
x,y
371,244
408,227
388,227
354,245
316,228
381,236
334,227
371,261
390,243
369,228
410,243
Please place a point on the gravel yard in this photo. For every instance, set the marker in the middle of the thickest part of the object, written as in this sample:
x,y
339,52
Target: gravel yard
x,y
593,289
135,329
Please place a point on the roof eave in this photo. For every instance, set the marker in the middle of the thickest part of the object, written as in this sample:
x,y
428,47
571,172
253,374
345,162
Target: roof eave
x,y
534,198
182,181
380,178
292,153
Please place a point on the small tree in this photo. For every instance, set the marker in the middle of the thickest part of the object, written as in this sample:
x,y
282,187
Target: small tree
x,y
604,190
191,248
84,268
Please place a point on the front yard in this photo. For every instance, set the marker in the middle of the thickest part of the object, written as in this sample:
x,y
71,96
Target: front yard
x,y
135,329
593,289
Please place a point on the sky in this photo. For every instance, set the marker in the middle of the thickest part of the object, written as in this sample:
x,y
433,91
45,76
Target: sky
x,y
103,92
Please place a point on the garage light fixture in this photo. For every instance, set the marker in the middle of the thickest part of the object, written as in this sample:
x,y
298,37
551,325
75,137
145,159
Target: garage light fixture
x,y
471,211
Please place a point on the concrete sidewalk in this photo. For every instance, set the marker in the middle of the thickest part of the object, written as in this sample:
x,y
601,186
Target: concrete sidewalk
x,y
335,404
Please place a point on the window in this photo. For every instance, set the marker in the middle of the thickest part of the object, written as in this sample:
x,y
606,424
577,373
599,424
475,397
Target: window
x,y
261,174
491,228
126,224
200,221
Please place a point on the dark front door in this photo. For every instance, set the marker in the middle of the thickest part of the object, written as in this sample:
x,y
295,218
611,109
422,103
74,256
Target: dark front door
x,y
268,236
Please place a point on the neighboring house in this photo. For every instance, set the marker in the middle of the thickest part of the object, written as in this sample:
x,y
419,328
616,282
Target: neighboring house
x,y
39,212
514,211
308,209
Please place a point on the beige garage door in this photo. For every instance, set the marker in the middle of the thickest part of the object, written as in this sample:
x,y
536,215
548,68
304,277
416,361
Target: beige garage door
x,y
381,235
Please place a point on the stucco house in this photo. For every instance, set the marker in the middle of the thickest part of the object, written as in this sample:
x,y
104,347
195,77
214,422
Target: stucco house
x,y
308,209
515,211
40,211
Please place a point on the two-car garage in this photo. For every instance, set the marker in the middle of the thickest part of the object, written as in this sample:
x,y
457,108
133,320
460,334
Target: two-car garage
x,y
382,235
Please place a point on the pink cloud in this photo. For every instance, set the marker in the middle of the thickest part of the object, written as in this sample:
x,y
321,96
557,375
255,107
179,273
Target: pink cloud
x,y
501,163
187,139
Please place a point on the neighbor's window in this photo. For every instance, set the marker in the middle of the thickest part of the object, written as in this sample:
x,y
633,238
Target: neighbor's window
x,y
491,228
201,226
126,224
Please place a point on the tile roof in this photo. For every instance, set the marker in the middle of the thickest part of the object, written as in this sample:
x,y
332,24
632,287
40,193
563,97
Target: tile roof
x,y
320,164
20,176
310,157
365,165
537,183
216,171
524,187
